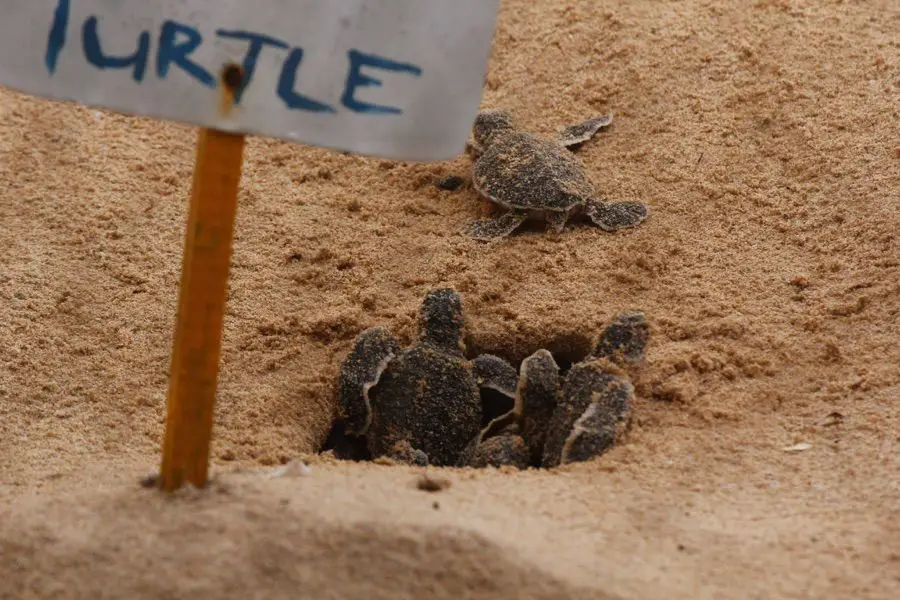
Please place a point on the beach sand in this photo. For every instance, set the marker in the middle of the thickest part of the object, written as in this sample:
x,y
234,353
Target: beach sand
x,y
764,460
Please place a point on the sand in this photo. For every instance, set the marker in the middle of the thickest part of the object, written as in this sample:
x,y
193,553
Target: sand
x,y
764,461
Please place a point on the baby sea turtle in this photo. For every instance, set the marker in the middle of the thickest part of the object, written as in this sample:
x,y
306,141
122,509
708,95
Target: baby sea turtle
x,y
419,404
552,424
596,396
539,178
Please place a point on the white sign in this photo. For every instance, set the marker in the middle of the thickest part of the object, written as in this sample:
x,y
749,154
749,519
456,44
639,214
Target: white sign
x,y
400,79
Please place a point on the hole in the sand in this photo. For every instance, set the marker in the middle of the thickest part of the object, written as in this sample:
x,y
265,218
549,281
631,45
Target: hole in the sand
x,y
493,405
565,360
345,447
567,349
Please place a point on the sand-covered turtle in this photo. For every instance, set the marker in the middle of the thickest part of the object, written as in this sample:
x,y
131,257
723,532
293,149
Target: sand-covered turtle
x,y
594,403
538,178
555,422
420,404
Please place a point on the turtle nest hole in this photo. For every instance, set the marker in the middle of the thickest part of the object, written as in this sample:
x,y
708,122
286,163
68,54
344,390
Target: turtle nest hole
x,y
567,350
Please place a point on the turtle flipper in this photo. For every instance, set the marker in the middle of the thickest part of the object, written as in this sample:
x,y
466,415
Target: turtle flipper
x,y
557,220
594,432
494,373
497,381
575,135
536,399
624,340
485,230
403,452
360,371
596,401
617,215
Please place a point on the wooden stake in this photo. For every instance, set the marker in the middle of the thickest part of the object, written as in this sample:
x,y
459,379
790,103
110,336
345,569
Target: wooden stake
x,y
201,308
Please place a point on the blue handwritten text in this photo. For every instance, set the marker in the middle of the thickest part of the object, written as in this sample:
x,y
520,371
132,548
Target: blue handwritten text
x,y
177,42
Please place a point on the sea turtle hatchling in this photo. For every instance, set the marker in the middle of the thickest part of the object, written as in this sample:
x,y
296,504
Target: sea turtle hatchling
x,y
596,394
555,422
421,404
539,178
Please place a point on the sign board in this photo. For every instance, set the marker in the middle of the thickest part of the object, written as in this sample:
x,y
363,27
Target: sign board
x,y
400,79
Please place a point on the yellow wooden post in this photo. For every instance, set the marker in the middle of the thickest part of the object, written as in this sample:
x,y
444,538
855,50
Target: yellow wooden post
x,y
201,306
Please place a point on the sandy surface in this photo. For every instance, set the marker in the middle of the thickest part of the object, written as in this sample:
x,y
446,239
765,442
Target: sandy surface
x,y
763,135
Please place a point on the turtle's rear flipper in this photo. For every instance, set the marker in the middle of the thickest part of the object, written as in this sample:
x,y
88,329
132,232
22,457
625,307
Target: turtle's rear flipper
x,y
486,230
617,215
557,220
361,370
505,449
404,453
495,427
574,135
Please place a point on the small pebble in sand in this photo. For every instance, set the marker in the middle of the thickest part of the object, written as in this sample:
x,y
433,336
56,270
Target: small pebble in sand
x,y
450,183
295,468
801,447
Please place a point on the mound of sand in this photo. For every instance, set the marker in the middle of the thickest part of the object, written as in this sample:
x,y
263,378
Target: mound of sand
x,y
249,537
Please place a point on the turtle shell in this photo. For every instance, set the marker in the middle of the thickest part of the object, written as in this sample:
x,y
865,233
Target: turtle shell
x,y
428,398
523,171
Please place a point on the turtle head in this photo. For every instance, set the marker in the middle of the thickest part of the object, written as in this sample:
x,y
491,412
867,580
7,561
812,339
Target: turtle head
x,y
441,320
624,341
488,124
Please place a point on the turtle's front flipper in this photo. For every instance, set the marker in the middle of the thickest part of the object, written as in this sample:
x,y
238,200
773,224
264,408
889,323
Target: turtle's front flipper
x,y
624,340
617,215
494,373
594,432
473,150
485,230
575,135
596,401
372,351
